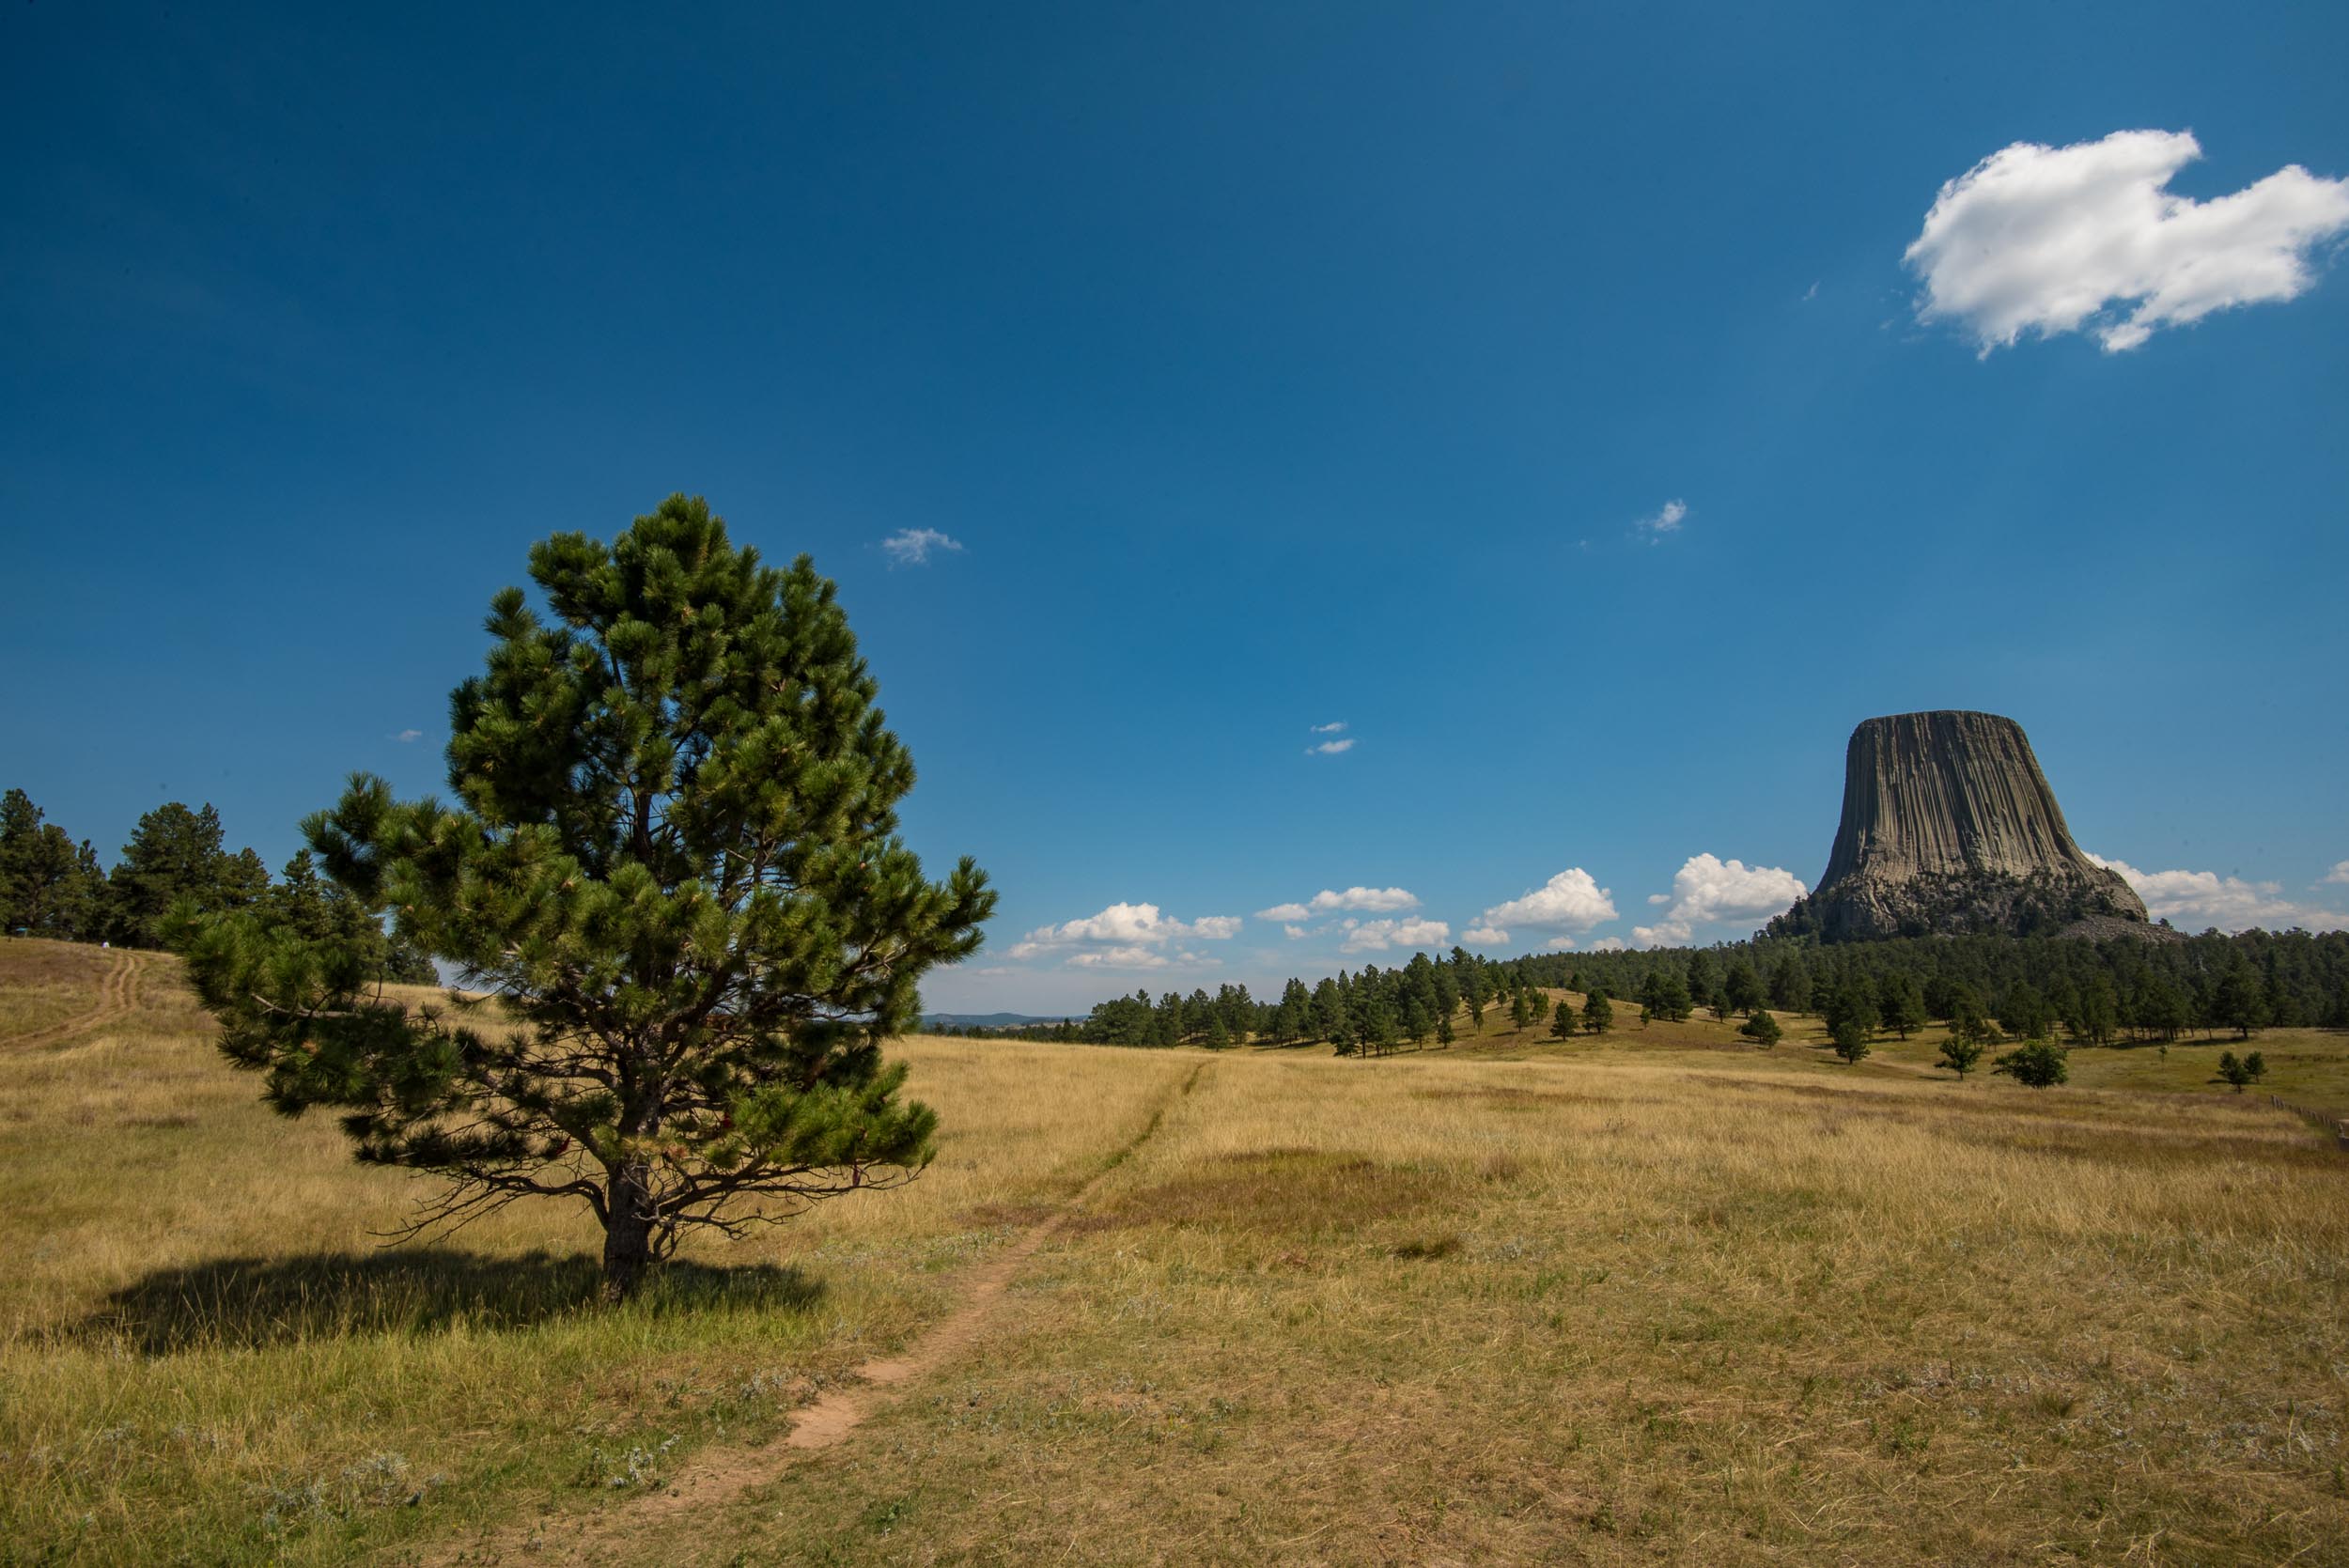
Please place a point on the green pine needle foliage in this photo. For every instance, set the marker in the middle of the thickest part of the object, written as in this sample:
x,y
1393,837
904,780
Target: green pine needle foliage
x,y
672,855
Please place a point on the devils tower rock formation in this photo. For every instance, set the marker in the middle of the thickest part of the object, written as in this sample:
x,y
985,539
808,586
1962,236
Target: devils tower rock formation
x,y
1949,828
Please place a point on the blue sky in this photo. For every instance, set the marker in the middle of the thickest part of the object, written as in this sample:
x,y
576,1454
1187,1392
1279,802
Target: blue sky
x,y
1268,367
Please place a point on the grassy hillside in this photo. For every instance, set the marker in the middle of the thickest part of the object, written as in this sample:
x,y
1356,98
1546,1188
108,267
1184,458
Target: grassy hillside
x,y
1652,1297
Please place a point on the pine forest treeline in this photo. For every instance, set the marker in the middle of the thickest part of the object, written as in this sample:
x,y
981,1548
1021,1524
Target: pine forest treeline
x,y
2094,992
2029,987
177,859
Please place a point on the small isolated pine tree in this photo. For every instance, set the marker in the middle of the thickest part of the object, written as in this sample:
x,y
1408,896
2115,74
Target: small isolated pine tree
x,y
2038,1064
1598,1014
1762,1029
2256,1065
672,850
1851,1039
1561,1023
1960,1054
2235,1071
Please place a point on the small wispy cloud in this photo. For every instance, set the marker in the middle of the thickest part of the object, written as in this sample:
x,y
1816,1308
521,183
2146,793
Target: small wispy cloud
x,y
1810,293
1369,900
407,737
1336,728
1330,747
1667,519
912,547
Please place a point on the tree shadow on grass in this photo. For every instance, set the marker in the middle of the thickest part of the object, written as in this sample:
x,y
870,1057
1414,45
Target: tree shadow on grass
x,y
250,1303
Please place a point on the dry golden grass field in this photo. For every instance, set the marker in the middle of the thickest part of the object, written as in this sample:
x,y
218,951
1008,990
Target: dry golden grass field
x,y
1661,1297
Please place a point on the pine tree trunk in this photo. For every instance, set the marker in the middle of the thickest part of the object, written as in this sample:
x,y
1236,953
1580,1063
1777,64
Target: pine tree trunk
x,y
627,1233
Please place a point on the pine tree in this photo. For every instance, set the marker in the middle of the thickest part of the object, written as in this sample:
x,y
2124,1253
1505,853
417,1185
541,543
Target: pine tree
x,y
1790,985
1598,1014
1702,981
1904,1004
2026,1014
2240,1001
44,880
1762,1029
1327,1013
2036,1064
1742,989
83,909
672,849
1296,1008
1959,1054
1851,1007
176,854
2100,1010
1561,1023
1969,1021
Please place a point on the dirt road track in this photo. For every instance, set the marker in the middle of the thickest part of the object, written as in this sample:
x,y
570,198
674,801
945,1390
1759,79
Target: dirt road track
x,y
117,999
719,1476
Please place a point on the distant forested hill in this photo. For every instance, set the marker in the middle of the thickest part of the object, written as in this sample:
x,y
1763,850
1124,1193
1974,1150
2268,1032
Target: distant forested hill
x,y
2092,991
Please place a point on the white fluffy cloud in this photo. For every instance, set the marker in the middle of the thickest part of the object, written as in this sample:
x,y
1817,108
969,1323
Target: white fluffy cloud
x,y
2086,237
1485,935
1131,956
1558,944
1330,747
1666,519
1607,944
1375,901
912,547
1367,936
1707,891
1570,901
1338,727
1125,935
2339,872
2197,900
